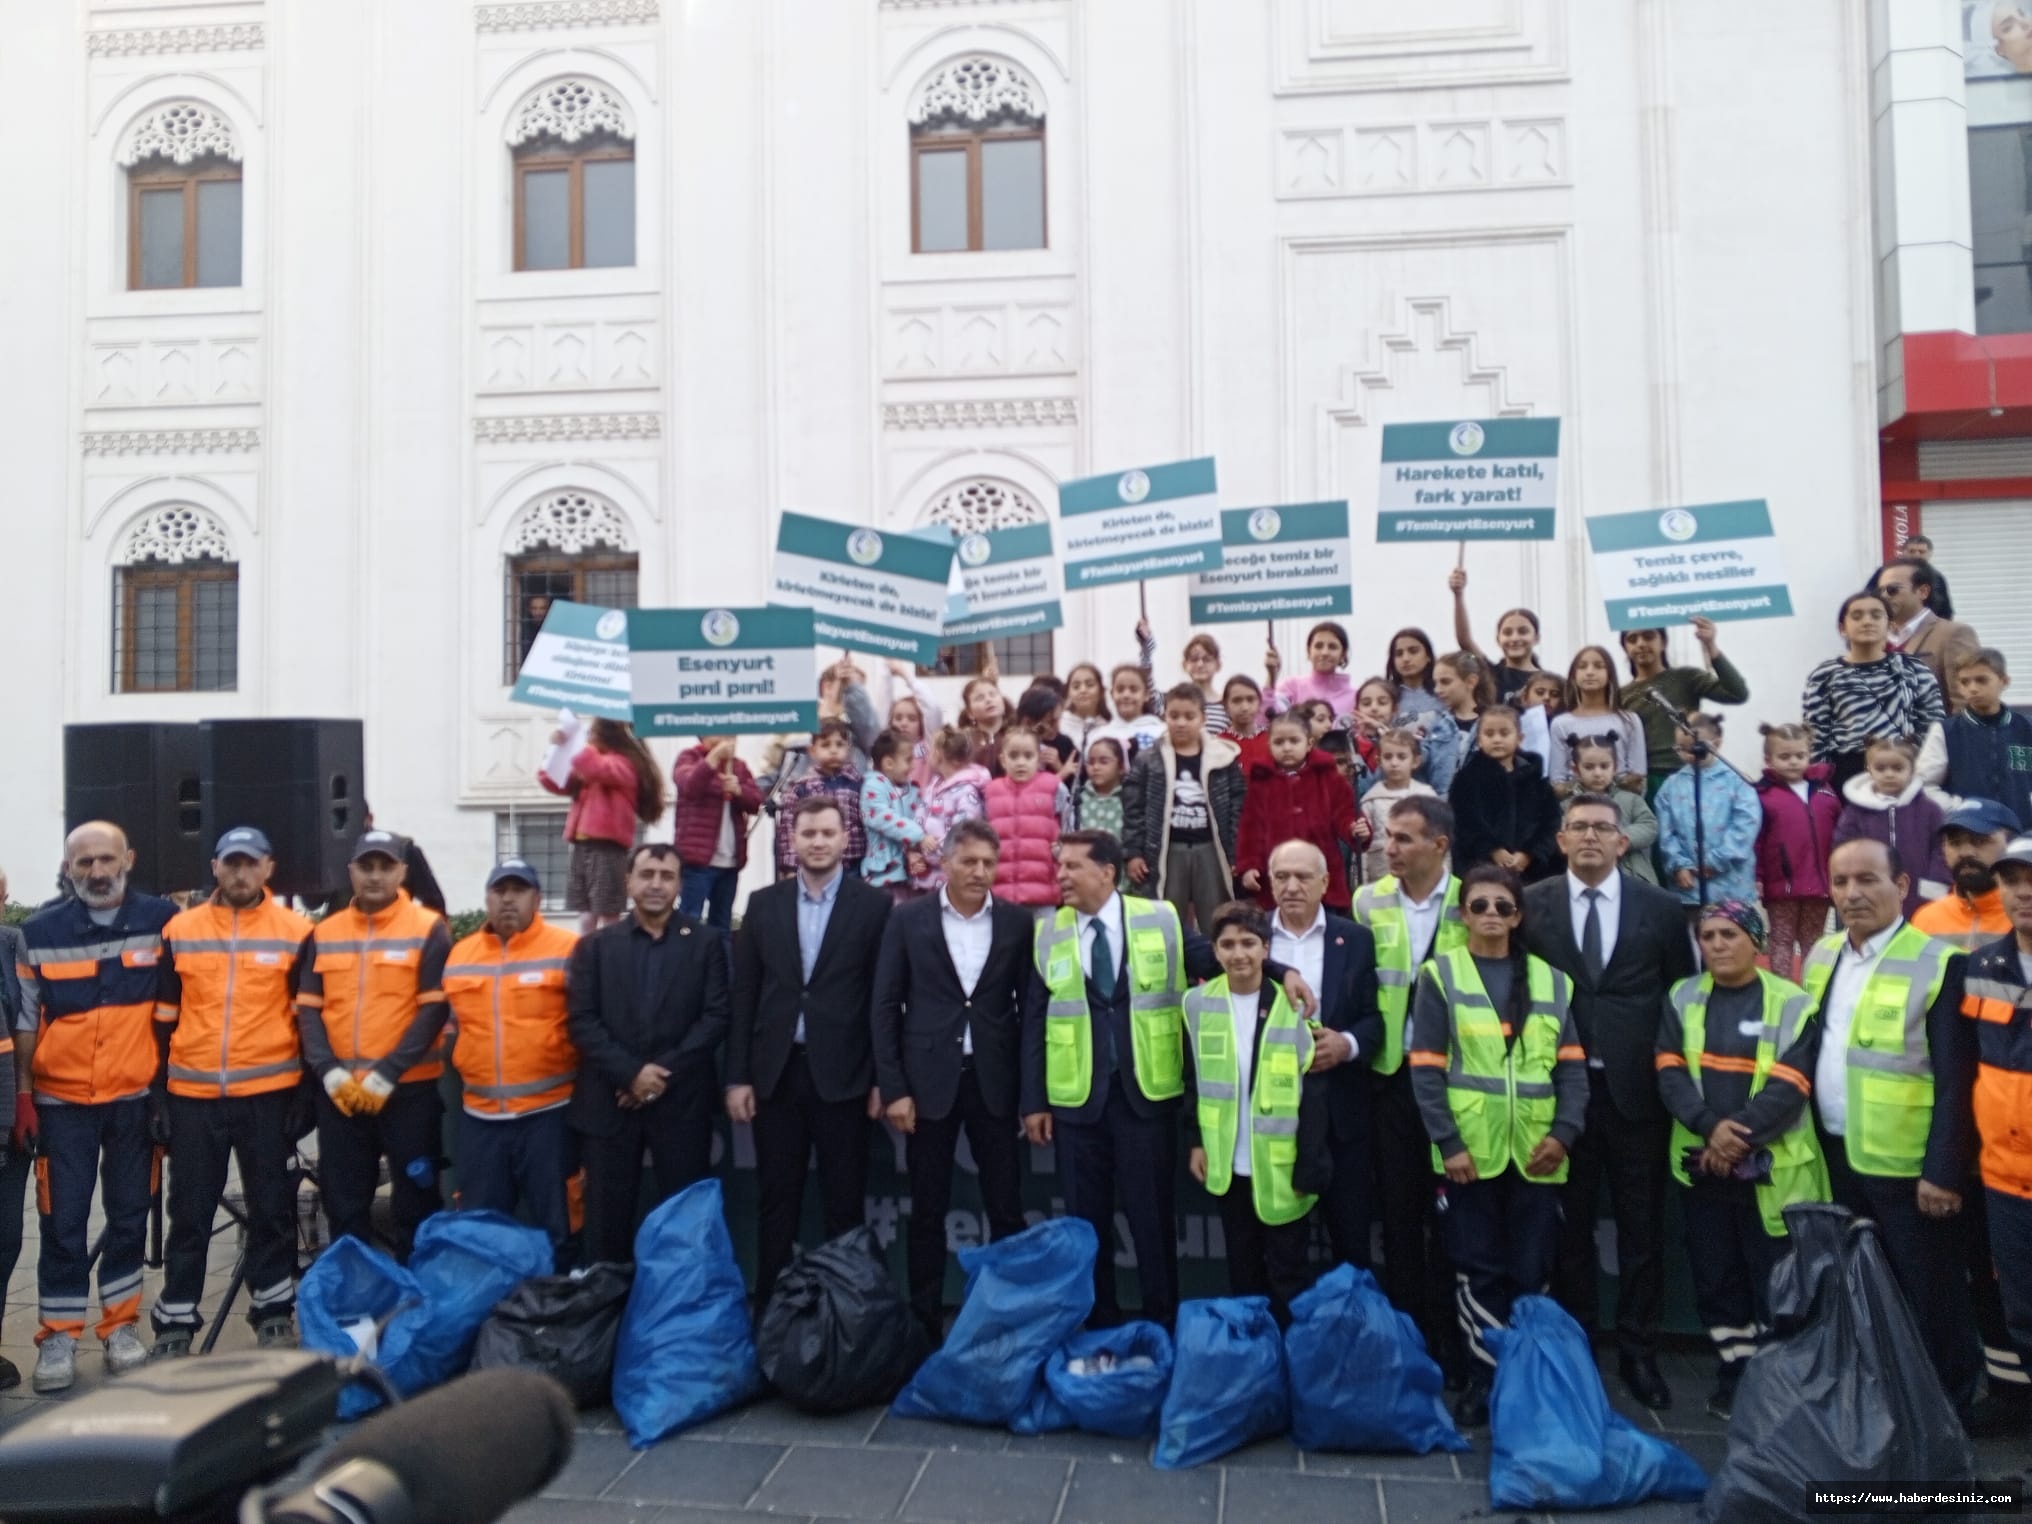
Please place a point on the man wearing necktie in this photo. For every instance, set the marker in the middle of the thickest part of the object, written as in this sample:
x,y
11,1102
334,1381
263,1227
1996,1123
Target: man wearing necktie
x,y
1104,1060
1624,945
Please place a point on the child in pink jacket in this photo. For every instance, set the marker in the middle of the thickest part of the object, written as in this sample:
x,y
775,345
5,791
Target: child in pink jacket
x,y
954,794
1793,844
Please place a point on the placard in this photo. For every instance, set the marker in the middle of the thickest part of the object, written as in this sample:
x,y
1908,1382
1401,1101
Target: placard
x,y
579,660
723,671
1132,526
1664,565
1294,561
868,591
1473,479
1012,584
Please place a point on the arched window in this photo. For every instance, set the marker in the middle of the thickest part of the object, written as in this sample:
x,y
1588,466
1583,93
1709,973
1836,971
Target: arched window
x,y
176,606
183,199
973,507
570,545
573,142
977,159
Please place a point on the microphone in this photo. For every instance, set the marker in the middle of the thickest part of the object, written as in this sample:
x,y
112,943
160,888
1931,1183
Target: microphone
x,y
463,1454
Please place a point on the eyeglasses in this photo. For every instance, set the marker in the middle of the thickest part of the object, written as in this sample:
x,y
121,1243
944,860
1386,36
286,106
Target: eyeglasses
x,y
1894,587
1593,828
1491,907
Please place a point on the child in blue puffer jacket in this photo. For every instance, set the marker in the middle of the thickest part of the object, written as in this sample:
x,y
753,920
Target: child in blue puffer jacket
x,y
1730,816
894,816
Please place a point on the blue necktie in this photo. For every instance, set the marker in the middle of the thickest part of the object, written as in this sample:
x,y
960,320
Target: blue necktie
x,y
1104,963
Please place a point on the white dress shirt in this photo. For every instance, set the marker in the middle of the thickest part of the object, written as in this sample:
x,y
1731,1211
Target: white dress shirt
x,y
968,939
1306,951
1242,1020
1110,916
1608,910
1908,632
1844,989
1421,917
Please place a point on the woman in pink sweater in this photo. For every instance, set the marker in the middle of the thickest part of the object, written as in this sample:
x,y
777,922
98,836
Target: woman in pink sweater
x,y
1326,648
614,786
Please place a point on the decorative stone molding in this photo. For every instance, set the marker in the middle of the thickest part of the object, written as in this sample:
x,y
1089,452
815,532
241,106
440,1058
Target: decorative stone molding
x,y
984,503
552,15
180,132
976,89
571,522
570,109
170,441
1008,412
128,42
175,533
542,428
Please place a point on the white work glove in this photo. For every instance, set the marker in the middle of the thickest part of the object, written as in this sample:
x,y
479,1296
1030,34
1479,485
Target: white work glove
x,y
336,1080
376,1086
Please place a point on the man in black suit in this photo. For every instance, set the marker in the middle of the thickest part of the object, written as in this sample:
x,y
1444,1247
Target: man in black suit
x,y
1624,945
948,999
1120,1145
799,1064
1338,959
647,1012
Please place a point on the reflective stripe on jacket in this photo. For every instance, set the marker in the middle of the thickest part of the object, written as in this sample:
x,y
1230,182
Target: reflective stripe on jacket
x,y
364,982
508,1038
229,998
96,988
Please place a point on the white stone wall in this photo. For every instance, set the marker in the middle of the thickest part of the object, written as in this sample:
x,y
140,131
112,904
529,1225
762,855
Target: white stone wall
x,y
1275,226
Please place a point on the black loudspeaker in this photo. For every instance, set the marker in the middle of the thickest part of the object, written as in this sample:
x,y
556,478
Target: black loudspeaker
x,y
300,781
144,778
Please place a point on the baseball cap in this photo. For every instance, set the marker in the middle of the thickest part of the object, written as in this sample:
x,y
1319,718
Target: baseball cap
x,y
1981,817
2019,852
514,867
243,841
373,843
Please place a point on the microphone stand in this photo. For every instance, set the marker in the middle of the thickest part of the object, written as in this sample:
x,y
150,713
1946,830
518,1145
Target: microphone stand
x,y
1701,752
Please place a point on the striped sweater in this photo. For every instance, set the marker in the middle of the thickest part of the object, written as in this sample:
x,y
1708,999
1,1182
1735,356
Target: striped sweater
x,y
1847,703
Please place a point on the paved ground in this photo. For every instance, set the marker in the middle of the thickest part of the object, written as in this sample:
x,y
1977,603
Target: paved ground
x,y
768,1459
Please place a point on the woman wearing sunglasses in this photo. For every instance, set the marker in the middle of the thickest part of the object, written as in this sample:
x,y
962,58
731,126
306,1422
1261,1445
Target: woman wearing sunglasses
x,y
1501,1082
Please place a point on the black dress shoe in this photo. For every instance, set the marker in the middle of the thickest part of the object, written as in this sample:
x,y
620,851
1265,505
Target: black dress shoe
x,y
1471,1408
10,1373
1641,1376
1722,1401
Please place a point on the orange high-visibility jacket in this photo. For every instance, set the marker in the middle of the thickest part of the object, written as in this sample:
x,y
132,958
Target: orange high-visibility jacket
x,y
1997,997
373,995
93,990
508,1041
225,994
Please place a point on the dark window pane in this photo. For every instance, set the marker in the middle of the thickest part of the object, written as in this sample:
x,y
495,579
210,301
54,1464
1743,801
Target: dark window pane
x,y
215,635
604,578
546,219
218,232
2000,163
942,200
610,212
611,588
1016,656
537,837
161,238
1012,193
154,637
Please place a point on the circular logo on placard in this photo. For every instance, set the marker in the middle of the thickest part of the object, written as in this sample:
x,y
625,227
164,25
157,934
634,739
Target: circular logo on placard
x,y
1678,524
1133,487
1466,438
1264,524
864,547
720,627
611,625
975,550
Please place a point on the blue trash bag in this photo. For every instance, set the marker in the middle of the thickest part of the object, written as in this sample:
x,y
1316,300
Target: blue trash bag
x,y
1360,1376
1024,1297
1112,1380
1041,1413
1555,1442
350,1282
465,1262
1227,1382
686,1350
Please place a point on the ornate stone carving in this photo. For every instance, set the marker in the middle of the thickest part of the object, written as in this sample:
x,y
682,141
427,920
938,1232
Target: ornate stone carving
x,y
170,441
232,37
542,428
571,522
1008,412
976,89
549,15
570,109
181,132
174,533
984,503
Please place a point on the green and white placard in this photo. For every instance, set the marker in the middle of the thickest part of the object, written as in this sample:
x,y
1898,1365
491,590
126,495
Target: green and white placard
x,y
1012,584
1665,565
868,591
1474,479
579,660
723,671
1289,562
1155,521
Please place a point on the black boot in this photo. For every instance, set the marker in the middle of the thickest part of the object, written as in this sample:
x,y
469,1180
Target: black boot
x,y
1641,1375
1471,1408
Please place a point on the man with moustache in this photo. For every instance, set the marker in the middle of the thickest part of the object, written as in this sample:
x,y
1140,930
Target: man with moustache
x,y
1972,837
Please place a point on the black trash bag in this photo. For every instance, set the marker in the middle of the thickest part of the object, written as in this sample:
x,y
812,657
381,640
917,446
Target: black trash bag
x,y
562,1325
837,1334
1844,1393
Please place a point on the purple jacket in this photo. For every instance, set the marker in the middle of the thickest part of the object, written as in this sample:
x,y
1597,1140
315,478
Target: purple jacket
x,y
1797,835
1909,825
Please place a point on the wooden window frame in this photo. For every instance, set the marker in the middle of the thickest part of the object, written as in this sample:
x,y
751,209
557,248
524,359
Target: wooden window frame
x,y
579,565
549,158
922,143
171,177
184,579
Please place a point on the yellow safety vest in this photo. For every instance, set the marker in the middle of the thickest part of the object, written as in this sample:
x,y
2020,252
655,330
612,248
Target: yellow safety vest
x,y
1380,907
1500,1091
1156,1004
1283,1053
